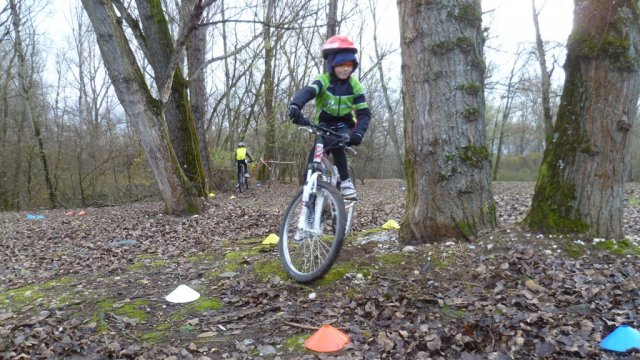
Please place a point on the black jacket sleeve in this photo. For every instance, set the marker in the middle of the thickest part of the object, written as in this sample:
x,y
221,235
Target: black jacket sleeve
x,y
304,95
364,117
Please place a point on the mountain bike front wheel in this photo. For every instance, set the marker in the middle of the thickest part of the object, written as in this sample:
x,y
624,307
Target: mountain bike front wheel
x,y
308,252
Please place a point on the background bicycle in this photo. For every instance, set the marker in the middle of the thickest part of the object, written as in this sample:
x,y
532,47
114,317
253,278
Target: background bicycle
x,y
243,177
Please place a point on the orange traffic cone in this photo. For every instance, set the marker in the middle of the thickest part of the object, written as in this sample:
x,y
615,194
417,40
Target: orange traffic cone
x,y
327,339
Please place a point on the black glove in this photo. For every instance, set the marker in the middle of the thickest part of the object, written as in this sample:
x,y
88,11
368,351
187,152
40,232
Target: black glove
x,y
294,113
354,139
302,121
345,137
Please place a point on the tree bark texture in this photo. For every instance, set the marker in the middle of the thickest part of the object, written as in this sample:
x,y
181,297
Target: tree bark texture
x,y
580,186
332,18
196,58
178,111
447,163
145,112
269,86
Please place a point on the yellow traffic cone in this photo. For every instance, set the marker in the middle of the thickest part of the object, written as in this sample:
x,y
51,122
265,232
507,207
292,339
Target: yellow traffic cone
x,y
391,224
272,239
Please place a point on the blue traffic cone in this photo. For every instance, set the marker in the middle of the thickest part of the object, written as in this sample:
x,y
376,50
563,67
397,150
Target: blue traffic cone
x,y
622,339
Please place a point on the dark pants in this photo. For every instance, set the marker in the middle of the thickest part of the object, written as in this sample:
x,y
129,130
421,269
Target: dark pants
x,y
240,164
332,147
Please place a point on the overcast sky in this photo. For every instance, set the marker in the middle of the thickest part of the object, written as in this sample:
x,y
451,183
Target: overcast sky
x,y
511,21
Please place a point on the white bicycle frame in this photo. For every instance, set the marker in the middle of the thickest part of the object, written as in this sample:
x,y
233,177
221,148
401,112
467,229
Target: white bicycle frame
x,y
310,187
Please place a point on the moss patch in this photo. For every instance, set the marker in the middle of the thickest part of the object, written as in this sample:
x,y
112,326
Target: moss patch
x,y
146,261
241,254
337,272
574,251
453,312
21,296
201,258
618,247
470,88
202,305
471,114
267,269
295,344
392,259
31,293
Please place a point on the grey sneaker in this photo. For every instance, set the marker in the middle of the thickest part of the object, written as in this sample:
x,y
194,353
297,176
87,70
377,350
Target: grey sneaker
x,y
299,236
247,175
348,190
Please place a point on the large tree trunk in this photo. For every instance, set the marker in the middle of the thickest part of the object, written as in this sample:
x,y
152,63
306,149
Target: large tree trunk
x,y
142,109
178,112
196,58
270,134
448,165
580,187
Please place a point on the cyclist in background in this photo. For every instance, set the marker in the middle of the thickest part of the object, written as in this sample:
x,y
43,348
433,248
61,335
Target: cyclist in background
x,y
340,103
241,158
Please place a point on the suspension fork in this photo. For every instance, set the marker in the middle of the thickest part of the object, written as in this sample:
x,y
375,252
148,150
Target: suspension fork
x,y
311,184
310,187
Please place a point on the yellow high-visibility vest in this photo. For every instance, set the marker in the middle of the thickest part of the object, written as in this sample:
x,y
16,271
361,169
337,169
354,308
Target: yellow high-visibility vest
x,y
241,153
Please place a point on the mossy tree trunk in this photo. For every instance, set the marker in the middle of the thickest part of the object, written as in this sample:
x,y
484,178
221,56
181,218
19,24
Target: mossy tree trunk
x,y
178,112
196,59
145,112
447,163
580,186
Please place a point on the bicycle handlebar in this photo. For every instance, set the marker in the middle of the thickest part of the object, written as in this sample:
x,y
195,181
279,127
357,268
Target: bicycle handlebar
x,y
315,128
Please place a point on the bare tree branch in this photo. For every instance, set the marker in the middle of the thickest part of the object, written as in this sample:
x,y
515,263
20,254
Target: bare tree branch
x,y
133,25
191,22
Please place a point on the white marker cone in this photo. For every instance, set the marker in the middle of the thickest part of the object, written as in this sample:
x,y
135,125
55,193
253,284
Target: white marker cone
x,y
183,294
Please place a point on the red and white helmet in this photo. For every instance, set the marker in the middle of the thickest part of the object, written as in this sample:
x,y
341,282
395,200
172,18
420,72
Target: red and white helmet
x,y
338,43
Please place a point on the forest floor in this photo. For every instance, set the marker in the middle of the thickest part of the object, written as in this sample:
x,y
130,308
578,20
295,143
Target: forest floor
x,y
93,285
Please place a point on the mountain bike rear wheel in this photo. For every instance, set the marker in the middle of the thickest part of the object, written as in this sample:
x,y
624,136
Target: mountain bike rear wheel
x,y
308,253
242,179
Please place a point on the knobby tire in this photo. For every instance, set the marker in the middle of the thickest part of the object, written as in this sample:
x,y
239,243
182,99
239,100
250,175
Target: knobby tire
x,y
311,258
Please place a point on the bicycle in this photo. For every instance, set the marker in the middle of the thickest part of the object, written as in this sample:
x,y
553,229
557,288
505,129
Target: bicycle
x,y
317,220
242,178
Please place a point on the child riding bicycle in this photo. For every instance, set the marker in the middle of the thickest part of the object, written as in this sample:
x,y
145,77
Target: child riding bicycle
x,y
241,158
340,104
